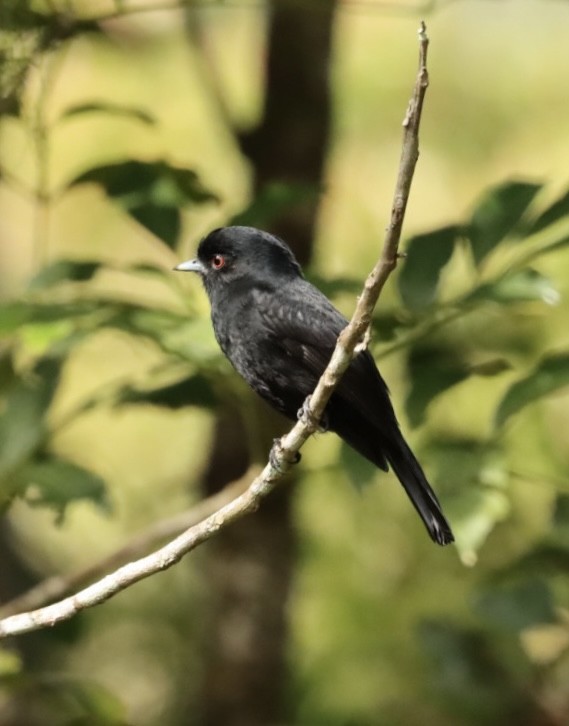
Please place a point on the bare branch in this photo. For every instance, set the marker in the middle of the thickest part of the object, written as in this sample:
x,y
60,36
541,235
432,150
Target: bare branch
x,y
59,585
285,451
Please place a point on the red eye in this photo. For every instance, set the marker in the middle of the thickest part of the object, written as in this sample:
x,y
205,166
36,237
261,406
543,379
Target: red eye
x,y
217,262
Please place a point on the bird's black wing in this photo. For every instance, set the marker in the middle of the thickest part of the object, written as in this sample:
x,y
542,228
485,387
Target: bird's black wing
x,y
302,327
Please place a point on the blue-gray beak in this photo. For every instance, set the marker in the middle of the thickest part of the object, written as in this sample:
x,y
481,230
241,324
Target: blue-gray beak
x,y
191,266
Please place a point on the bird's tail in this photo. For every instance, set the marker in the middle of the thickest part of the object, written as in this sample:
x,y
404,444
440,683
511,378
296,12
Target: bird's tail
x,y
424,499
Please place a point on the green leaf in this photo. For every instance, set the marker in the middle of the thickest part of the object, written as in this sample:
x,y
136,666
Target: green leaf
x,y
469,463
516,607
64,271
189,338
163,221
82,702
10,665
48,338
147,268
525,285
474,514
195,390
458,656
14,315
151,192
55,483
551,374
497,215
335,286
431,372
554,246
111,109
427,255
49,330
466,668
68,698
542,560
490,367
558,210
19,17
561,515
22,422
461,657
360,472
477,478
387,324
7,371
274,199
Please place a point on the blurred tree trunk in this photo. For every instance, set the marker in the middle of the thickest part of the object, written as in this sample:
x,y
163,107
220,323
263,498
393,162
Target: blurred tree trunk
x,y
291,144
251,565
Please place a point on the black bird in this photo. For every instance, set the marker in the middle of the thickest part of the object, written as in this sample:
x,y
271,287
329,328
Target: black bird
x,y
279,331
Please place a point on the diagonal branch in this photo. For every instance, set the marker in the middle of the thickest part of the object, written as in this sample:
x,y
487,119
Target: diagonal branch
x,y
57,586
285,451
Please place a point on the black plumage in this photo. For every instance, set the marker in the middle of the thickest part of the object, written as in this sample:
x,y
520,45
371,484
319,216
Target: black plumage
x,y
279,331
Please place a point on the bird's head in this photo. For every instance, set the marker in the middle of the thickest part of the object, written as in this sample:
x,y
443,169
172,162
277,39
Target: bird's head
x,y
242,254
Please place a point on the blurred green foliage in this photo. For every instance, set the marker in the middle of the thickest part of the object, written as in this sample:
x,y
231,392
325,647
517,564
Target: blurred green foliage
x,y
474,296
154,193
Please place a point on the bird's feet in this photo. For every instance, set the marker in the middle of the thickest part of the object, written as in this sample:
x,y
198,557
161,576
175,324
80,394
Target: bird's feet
x,y
306,416
277,456
364,342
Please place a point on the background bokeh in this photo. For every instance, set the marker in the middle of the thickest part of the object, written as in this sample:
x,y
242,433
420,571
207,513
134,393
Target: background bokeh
x,y
127,131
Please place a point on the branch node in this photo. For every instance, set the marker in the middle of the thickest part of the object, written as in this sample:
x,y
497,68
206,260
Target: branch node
x,y
364,342
306,416
281,459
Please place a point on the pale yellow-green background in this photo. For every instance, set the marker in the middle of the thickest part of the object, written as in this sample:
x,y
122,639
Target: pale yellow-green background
x,y
497,107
